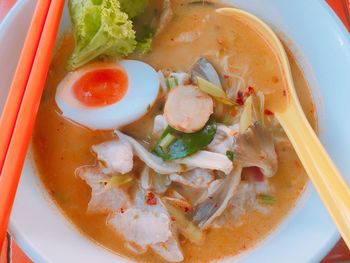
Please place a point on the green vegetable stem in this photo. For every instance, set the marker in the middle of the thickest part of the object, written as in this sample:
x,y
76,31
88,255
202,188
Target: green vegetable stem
x,y
175,145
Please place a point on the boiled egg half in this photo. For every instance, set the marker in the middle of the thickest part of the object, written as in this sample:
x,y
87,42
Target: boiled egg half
x,y
103,96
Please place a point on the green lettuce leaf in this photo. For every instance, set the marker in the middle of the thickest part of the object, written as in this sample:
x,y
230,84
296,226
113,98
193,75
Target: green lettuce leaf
x,y
100,28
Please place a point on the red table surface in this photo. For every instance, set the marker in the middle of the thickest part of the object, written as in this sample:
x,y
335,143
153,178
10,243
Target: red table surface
x,y
11,253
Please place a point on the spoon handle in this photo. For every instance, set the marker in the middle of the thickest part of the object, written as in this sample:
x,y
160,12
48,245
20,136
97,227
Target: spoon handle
x,y
326,178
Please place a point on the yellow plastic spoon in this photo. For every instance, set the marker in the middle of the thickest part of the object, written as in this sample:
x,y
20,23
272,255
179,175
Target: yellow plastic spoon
x,y
327,180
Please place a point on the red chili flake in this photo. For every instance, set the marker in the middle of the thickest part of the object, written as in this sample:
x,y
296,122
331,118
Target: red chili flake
x,y
268,112
151,199
239,98
173,218
250,90
284,93
186,209
122,210
226,76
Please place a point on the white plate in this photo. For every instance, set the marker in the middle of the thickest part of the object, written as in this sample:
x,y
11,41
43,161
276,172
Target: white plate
x,y
322,46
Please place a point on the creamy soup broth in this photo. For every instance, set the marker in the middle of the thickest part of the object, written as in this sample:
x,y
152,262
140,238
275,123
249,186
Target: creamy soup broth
x,y
60,146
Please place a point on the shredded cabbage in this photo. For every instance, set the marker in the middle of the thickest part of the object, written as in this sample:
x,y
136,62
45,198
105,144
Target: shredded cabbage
x,y
100,28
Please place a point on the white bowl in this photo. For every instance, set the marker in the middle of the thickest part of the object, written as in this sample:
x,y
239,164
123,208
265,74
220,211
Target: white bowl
x,y
321,45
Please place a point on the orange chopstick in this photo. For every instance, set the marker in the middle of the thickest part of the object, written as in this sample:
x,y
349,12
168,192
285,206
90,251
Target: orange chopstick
x,y
18,146
13,102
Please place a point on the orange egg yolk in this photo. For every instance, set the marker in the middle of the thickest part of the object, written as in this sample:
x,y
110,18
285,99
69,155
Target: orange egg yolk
x,y
101,87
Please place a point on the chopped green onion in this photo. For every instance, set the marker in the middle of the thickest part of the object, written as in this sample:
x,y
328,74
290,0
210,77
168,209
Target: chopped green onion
x,y
230,155
266,199
216,92
166,141
171,82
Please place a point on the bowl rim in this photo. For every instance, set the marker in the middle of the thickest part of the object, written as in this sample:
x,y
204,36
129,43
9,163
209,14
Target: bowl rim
x,y
34,253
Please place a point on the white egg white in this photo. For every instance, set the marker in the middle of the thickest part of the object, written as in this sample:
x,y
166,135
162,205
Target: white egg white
x,y
141,93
